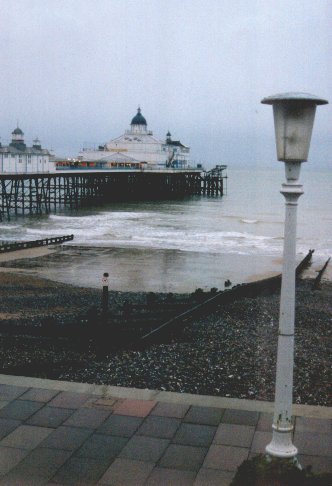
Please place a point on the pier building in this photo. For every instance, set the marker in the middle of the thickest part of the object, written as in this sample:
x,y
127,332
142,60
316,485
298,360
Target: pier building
x,y
18,158
139,147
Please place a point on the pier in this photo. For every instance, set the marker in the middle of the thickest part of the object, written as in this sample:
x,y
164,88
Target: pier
x,y
42,193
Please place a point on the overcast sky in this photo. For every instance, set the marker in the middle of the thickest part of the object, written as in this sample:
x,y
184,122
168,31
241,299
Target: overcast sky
x,y
74,71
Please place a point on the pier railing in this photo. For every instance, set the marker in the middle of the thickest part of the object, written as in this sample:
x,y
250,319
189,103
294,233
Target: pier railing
x,y
23,245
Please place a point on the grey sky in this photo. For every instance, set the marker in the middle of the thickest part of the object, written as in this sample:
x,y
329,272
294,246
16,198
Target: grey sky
x,y
74,71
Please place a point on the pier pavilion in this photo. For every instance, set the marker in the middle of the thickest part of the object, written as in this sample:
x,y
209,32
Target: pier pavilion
x,y
140,146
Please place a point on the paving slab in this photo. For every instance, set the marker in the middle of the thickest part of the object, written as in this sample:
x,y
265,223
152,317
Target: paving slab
x,y
39,395
213,477
174,410
10,392
135,408
320,464
183,457
26,437
313,444
50,416
7,426
102,446
265,421
20,409
126,472
234,435
225,458
316,425
260,441
37,468
69,399
9,458
240,417
81,471
194,434
55,484
142,448
120,425
66,438
88,417
204,415
162,476
162,427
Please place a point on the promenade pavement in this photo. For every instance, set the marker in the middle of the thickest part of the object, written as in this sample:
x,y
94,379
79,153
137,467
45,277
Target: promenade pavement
x,y
60,433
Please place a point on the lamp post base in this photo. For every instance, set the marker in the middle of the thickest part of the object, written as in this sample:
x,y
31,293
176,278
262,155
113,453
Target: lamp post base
x,y
281,444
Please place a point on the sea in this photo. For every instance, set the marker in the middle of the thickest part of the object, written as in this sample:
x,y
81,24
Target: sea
x,y
184,244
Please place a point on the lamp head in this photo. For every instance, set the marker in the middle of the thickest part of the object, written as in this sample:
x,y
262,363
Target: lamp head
x,y
294,115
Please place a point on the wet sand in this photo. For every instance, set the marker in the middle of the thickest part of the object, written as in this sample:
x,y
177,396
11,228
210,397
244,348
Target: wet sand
x,y
144,270
27,253
141,270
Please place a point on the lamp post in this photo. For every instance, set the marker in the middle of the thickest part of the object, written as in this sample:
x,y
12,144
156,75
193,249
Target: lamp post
x,y
294,115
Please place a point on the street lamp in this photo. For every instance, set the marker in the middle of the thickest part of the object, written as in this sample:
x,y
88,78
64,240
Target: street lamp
x,y
294,115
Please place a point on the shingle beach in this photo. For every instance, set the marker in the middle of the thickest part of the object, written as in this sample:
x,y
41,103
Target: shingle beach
x,y
230,353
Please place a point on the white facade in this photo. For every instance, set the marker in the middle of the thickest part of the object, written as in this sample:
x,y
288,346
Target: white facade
x,y
17,158
139,145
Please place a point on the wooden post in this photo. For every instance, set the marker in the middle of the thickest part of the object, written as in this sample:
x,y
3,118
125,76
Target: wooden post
x,y
104,303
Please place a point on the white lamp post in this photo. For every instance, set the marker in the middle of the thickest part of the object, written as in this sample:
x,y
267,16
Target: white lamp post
x,y
294,115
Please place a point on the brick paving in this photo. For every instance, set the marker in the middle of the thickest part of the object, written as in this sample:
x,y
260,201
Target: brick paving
x,y
57,437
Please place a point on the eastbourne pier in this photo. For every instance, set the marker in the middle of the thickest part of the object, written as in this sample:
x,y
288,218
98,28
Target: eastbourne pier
x,y
133,166
42,193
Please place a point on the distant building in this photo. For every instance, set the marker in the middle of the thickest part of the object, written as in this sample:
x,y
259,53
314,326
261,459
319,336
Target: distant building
x,y
138,147
18,158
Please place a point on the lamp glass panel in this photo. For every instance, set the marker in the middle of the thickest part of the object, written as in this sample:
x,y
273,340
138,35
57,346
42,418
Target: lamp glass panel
x,y
293,123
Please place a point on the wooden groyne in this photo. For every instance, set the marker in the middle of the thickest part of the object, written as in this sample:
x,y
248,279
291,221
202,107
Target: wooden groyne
x,y
247,290
316,284
23,245
22,194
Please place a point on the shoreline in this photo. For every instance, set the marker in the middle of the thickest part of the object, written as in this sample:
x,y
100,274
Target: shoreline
x,y
229,353
141,270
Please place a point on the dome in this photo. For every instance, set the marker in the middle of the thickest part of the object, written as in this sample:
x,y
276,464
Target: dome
x,y
17,131
138,119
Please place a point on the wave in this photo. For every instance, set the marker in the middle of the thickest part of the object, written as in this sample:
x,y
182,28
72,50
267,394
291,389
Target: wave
x,y
9,227
106,215
222,242
249,221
